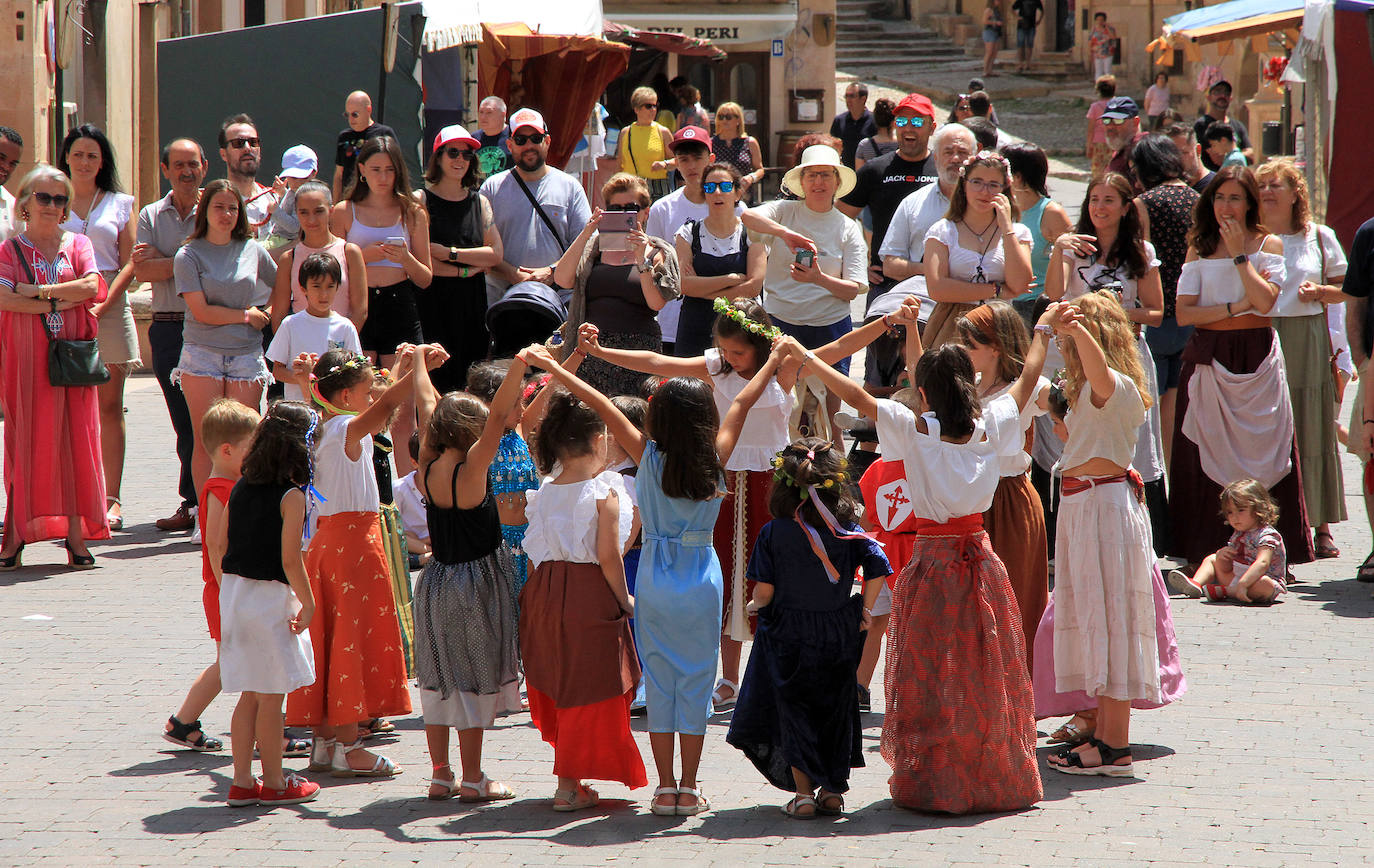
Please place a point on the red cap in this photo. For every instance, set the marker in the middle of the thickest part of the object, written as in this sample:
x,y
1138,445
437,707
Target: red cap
x,y
918,103
691,134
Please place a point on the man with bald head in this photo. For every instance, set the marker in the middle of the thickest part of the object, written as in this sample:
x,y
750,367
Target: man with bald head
x,y
358,113
163,227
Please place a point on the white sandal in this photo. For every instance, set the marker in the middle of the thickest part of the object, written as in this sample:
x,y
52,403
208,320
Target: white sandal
x,y
702,806
450,786
719,703
487,791
664,810
382,768
322,754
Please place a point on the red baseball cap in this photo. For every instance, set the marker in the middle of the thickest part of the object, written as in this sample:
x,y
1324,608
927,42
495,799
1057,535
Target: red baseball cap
x,y
691,134
918,103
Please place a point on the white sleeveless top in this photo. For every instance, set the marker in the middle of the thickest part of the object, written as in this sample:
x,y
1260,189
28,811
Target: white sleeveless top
x,y
349,486
563,518
765,433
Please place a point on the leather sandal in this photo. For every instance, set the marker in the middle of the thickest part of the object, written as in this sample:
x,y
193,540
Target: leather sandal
x,y
1072,761
702,806
12,562
1328,549
381,767
180,734
322,754
1072,733
116,522
578,798
793,808
450,785
664,810
720,702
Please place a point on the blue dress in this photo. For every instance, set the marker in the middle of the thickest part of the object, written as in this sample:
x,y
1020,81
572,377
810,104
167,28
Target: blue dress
x,y
799,701
678,595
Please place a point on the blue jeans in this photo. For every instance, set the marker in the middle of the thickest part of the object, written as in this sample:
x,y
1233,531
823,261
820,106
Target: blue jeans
x,y
165,341
818,336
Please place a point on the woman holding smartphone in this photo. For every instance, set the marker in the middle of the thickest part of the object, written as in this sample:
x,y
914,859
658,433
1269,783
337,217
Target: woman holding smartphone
x,y
619,278
381,216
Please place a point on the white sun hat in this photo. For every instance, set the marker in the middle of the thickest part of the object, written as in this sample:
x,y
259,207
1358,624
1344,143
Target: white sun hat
x,y
820,155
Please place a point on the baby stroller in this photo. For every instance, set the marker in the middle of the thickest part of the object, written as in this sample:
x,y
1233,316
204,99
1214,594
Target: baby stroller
x,y
527,314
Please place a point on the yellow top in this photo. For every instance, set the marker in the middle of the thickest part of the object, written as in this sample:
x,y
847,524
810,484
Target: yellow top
x,y
645,146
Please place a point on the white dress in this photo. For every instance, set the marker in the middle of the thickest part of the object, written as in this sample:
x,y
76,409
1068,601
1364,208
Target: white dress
x,y
109,214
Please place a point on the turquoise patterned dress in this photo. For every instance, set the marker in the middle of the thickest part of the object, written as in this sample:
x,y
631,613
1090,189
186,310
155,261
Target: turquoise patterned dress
x,y
512,473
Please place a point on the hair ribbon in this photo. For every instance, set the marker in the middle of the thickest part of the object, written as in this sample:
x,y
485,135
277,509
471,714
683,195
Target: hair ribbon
x,y
312,494
814,538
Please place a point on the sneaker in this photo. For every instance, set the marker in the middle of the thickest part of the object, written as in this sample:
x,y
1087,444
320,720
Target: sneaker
x,y
298,790
865,700
183,519
1215,593
245,797
1181,583
195,536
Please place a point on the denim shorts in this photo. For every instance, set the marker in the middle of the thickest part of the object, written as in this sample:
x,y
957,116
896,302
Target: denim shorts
x,y
1166,342
818,336
202,362
1025,37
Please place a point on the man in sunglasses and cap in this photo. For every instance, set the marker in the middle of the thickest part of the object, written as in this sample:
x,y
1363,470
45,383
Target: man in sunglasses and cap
x,y
1121,118
537,209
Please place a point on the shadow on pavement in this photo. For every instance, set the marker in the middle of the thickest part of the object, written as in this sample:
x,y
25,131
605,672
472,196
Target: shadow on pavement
x,y
1347,598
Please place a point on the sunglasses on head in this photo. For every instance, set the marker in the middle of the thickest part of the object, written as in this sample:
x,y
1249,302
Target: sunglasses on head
x,y
916,122
722,186
634,208
526,138
457,153
60,200
244,142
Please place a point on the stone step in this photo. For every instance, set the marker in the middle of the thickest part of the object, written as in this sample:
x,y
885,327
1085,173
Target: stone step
x,y
857,58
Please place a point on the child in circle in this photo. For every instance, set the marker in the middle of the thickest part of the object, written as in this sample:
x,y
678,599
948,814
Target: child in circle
x,y
1251,567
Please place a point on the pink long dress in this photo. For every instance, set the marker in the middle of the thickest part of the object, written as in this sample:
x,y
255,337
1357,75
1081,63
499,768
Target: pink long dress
x,y
52,433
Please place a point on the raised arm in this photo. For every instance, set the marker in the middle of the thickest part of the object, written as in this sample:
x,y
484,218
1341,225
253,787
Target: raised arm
x,y
733,423
644,361
1023,388
1091,357
565,269
630,438
472,475
849,344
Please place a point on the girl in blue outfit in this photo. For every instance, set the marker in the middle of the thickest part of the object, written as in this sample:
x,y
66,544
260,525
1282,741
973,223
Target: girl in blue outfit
x,y
797,718
678,592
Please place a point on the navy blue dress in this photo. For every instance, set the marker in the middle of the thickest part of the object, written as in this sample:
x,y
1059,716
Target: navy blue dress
x,y
799,702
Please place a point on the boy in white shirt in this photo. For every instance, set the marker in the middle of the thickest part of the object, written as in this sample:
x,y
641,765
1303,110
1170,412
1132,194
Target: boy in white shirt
x,y
315,330
410,504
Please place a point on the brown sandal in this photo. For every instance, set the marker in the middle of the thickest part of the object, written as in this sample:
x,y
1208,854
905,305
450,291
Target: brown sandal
x,y
1328,549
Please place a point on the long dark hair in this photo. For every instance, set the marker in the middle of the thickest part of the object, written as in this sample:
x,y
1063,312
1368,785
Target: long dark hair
x,y
1029,163
214,188
1205,236
725,327
826,471
683,423
958,200
566,431
106,179
946,376
1129,248
1157,160
400,191
279,454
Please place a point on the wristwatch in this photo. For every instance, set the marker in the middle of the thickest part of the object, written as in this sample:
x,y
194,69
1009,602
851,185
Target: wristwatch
x,y
1240,260
453,255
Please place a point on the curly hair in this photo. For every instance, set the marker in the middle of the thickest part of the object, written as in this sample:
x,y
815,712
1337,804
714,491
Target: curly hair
x,y
794,471
945,375
1105,319
683,422
567,431
1250,494
1285,170
726,327
456,423
279,454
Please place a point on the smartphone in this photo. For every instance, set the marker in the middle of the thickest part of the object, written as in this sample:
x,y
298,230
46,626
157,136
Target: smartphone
x,y
396,241
806,258
615,228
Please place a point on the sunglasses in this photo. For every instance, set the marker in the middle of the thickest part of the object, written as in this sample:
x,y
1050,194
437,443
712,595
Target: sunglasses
x,y
525,138
1114,122
722,186
632,209
651,105
351,114
244,142
60,200
917,122
458,153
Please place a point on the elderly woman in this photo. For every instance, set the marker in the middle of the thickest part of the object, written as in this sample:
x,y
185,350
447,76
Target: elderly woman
x,y
1315,268
617,285
1237,420
822,266
226,278
107,217
646,142
49,283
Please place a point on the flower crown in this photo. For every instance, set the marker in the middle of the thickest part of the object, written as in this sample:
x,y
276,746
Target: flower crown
x,y
741,319
780,473
352,363
985,157
1060,380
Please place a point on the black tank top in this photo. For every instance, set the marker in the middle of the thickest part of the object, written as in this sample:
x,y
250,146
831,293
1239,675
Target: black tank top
x,y
455,224
457,535
254,550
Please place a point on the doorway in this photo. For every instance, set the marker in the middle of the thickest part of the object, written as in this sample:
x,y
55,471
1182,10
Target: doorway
x,y
742,77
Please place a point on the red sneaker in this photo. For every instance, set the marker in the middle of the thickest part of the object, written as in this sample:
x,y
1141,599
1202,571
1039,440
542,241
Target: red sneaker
x,y
298,790
245,797
1216,593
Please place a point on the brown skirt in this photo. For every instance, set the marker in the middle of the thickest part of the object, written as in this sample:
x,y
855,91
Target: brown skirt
x,y
575,640
1016,525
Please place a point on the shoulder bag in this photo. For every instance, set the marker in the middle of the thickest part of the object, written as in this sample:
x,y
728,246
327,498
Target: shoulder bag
x,y
70,362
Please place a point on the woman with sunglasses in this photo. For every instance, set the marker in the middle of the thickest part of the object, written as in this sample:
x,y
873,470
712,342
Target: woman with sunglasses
x,y
717,260
732,144
107,217
619,281
53,477
646,142
463,244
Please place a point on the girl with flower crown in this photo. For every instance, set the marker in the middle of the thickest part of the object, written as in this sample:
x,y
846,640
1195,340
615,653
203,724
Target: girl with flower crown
x,y
360,669
743,335
977,251
798,714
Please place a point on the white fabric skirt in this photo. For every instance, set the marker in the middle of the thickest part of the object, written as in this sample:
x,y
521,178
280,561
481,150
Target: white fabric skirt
x,y
465,710
257,649
1104,608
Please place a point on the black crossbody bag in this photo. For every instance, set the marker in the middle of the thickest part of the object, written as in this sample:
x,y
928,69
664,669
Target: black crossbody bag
x,y
539,210
70,362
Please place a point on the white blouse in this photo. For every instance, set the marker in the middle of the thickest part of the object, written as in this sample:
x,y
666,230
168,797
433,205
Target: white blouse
x,y
348,486
563,518
1216,281
1303,260
765,433
949,480
1082,276
1109,431
1012,457
106,219
964,263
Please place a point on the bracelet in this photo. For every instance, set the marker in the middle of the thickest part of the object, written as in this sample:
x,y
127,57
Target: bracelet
x,y
1228,309
887,324
44,291
580,351
462,271
1369,421
1042,329
247,320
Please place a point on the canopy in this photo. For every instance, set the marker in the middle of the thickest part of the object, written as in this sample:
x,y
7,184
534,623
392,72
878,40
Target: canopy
x,y
1226,22
671,43
561,76
449,23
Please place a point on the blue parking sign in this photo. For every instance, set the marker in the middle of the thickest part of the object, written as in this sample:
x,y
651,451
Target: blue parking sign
x,y
777,48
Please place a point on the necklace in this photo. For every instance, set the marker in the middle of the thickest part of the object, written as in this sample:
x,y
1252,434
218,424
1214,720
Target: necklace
x,y
95,200
978,275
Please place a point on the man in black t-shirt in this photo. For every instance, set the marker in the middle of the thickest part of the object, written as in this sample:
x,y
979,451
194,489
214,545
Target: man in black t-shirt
x,y
885,181
1359,327
1028,15
1218,104
358,113
855,123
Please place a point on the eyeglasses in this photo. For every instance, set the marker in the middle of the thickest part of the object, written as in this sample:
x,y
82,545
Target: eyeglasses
x,y
1114,122
352,114
525,138
648,105
244,142
722,186
633,208
458,153
916,122
978,185
60,200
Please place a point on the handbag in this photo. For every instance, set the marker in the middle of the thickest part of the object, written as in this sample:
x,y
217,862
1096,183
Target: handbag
x,y
70,362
